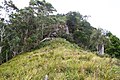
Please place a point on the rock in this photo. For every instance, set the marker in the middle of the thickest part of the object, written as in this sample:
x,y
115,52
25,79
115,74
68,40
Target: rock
x,y
46,77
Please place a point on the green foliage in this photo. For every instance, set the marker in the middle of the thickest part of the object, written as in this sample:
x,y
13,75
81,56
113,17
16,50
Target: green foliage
x,y
26,27
113,47
73,20
79,28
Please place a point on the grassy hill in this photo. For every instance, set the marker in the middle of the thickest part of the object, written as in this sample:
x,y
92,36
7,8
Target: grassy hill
x,y
60,60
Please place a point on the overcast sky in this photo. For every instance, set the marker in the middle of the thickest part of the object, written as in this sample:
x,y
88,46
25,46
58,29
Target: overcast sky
x,y
104,13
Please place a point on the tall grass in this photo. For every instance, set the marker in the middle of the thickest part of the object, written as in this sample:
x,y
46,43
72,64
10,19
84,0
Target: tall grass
x,y
60,60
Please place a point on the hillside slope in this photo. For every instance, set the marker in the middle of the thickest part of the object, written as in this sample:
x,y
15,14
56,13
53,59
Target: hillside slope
x,y
60,60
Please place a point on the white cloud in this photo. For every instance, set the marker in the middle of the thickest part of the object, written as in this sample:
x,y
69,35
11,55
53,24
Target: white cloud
x,y
21,3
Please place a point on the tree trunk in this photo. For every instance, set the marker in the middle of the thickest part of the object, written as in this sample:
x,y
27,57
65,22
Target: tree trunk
x,y
67,29
6,57
42,30
2,34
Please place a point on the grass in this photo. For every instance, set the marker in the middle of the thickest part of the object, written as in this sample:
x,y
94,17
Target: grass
x,y
60,60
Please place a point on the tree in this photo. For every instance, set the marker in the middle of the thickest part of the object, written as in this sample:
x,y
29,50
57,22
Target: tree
x,y
2,34
73,20
113,47
25,28
98,39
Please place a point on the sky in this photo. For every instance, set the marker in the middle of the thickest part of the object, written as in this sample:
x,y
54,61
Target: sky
x,y
104,13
